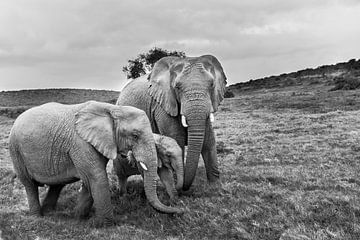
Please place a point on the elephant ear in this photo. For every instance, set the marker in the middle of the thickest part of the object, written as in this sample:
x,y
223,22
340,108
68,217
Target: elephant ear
x,y
219,77
160,85
159,148
95,125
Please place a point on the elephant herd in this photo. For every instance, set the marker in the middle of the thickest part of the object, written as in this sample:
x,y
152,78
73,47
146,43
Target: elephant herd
x,y
145,133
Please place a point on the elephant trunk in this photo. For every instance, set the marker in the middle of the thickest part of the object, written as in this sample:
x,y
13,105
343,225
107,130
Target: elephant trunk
x,y
150,175
151,195
196,117
178,167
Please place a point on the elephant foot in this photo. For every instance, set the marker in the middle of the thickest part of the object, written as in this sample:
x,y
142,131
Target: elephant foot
x,y
35,212
174,200
214,188
48,208
123,191
81,213
173,195
187,193
213,180
99,222
142,193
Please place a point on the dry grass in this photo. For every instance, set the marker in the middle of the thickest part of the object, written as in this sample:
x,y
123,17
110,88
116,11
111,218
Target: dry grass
x,y
289,168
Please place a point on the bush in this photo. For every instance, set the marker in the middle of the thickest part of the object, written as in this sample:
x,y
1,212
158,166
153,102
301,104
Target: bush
x,y
112,101
229,94
144,62
13,112
346,83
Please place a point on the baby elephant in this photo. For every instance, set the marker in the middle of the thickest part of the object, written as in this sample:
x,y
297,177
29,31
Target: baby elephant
x,y
170,159
56,144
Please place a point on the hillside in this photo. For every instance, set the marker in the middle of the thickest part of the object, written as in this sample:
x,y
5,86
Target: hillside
x,y
327,75
12,103
40,96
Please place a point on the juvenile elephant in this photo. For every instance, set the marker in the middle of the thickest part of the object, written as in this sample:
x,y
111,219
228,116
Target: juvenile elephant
x,y
180,97
56,144
170,159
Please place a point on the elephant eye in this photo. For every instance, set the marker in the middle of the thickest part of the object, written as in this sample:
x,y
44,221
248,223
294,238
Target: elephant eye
x,y
135,137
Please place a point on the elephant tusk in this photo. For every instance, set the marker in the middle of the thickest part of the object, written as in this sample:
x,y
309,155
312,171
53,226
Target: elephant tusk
x,y
143,166
81,187
183,121
212,117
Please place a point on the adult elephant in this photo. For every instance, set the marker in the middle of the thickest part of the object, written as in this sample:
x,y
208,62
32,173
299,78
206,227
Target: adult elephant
x,y
56,144
180,97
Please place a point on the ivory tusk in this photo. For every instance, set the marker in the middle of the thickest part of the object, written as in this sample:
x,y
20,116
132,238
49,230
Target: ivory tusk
x,y
143,166
183,121
212,117
81,187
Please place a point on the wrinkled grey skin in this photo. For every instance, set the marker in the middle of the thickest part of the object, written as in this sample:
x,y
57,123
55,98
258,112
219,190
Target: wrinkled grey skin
x,y
180,90
170,160
56,144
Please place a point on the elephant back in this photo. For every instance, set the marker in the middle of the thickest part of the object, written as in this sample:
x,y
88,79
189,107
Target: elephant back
x,y
135,94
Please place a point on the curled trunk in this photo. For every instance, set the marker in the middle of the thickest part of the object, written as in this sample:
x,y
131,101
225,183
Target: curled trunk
x,y
148,155
179,170
150,191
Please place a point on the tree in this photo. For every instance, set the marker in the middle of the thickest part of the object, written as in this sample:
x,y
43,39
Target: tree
x,y
144,62
228,94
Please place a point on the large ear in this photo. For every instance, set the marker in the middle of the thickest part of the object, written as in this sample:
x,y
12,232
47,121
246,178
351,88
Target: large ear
x,y
160,85
157,138
220,80
95,125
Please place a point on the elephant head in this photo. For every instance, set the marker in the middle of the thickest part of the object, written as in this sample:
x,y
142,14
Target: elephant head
x,y
170,159
114,130
191,89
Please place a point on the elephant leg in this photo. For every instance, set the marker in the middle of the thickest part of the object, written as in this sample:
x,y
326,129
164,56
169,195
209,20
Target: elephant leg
x,y
32,193
51,198
84,204
122,177
122,185
167,178
100,191
209,155
92,170
170,126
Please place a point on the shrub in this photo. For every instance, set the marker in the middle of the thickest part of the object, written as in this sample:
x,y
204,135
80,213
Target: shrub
x,y
112,101
346,83
13,112
144,62
229,94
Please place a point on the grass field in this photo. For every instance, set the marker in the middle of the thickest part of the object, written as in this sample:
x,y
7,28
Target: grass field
x,y
289,160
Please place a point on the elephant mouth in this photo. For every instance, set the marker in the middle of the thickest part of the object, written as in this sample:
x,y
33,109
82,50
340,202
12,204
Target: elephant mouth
x,y
123,153
185,123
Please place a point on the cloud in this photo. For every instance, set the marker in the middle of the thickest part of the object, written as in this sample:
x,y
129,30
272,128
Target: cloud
x,y
85,43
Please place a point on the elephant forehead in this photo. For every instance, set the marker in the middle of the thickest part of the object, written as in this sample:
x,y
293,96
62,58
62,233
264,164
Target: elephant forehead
x,y
196,94
171,147
133,112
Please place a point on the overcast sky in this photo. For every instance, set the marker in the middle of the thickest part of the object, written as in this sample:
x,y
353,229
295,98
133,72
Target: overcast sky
x,y
85,43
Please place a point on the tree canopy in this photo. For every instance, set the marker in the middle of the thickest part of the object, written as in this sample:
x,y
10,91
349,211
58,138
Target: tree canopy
x,y
144,62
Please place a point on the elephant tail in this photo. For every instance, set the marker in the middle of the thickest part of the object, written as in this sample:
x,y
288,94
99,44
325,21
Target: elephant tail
x,y
18,160
8,178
